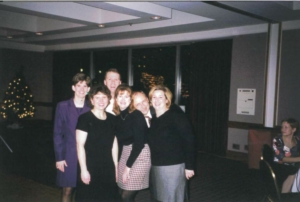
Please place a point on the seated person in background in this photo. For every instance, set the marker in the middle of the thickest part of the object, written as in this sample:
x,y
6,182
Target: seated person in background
x,y
286,147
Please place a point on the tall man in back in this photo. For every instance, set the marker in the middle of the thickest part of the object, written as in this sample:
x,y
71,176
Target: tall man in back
x,y
112,80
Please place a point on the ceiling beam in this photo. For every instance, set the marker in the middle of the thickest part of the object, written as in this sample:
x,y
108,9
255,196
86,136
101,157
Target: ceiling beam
x,y
178,18
30,23
22,46
228,6
165,39
75,12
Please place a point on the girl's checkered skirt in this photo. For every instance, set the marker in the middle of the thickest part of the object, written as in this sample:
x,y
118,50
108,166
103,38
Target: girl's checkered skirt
x,y
139,172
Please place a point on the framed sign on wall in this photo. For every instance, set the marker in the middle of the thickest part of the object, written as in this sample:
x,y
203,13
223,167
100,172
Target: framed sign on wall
x,y
246,101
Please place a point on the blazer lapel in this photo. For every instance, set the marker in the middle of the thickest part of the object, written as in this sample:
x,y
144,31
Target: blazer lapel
x,y
72,109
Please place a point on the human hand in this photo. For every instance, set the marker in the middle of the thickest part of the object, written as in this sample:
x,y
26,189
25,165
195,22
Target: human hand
x,y
189,174
60,165
126,174
85,177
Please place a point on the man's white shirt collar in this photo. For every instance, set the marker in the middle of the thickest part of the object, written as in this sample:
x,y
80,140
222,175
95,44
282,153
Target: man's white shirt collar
x,y
109,108
147,121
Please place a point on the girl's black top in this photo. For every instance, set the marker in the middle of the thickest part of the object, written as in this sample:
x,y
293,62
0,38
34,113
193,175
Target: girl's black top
x,y
132,129
171,140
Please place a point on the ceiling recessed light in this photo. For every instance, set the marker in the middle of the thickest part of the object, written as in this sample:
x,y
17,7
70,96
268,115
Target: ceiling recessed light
x,y
101,25
39,33
9,37
155,17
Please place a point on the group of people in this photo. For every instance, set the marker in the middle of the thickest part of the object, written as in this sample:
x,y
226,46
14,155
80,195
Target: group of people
x,y
120,144
286,148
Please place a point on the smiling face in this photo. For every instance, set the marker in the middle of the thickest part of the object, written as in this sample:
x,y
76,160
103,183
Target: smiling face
x,y
286,129
141,103
99,101
112,81
123,99
80,89
159,100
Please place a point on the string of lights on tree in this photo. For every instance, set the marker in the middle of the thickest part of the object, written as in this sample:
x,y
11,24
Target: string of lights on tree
x,y
18,99
150,80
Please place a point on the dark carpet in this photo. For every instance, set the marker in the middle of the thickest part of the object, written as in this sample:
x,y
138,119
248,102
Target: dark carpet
x,y
216,179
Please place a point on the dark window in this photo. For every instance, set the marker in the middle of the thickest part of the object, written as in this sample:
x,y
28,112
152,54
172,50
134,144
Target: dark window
x,y
185,58
65,65
153,66
106,59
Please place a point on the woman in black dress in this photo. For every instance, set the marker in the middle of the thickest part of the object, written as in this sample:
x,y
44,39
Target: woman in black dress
x,y
97,150
134,164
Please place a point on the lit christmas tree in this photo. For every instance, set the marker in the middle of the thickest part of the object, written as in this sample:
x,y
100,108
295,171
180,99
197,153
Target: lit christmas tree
x,y
18,100
150,80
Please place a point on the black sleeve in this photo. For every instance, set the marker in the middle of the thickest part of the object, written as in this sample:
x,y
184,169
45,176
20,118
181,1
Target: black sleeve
x,y
139,134
82,123
114,121
185,130
175,108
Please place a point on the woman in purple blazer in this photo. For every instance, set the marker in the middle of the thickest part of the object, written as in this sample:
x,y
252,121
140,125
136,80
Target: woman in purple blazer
x,y
66,115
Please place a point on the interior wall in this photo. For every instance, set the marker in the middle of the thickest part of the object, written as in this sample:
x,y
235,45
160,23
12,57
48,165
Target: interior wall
x,y
38,75
289,93
248,70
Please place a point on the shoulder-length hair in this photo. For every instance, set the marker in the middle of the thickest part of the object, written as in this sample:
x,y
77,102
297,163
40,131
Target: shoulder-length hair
x,y
167,92
120,90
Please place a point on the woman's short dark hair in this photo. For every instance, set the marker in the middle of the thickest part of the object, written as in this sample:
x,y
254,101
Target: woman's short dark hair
x,y
292,122
100,88
79,77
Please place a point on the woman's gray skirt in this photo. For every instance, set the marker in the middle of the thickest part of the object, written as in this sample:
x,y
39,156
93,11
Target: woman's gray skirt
x,y
168,183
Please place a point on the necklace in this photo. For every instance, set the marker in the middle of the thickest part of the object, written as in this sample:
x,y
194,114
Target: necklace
x,y
122,117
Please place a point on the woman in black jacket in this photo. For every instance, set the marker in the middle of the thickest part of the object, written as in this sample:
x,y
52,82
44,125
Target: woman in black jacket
x,y
171,142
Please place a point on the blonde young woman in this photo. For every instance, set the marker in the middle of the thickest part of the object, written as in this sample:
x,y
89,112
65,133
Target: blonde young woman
x,y
171,142
134,163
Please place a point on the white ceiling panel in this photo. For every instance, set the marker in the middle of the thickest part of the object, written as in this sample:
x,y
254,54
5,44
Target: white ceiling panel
x,y
74,25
